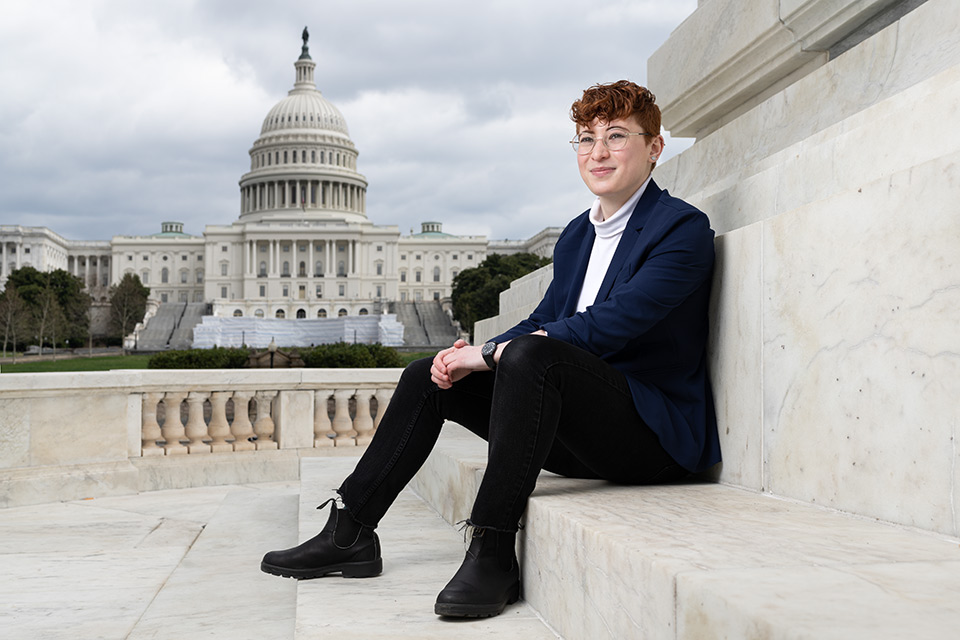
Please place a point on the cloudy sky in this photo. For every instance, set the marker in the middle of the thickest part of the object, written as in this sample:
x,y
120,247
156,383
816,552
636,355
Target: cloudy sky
x,y
116,115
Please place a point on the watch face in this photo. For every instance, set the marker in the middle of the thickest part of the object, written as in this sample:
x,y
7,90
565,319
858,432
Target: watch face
x,y
488,349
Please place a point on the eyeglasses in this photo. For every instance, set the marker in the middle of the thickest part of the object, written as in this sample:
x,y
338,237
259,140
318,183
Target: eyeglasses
x,y
614,140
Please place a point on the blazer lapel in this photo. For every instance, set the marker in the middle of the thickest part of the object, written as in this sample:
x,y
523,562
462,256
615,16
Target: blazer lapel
x,y
650,197
576,283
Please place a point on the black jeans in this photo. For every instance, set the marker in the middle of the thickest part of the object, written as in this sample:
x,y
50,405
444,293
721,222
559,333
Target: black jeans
x,y
549,405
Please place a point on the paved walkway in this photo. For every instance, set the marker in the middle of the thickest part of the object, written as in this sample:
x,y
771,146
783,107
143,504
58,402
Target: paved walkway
x,y
185,564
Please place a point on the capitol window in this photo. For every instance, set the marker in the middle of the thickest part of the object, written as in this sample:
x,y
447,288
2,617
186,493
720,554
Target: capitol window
x,y
258,313
164,276
341,313
263,291
321,313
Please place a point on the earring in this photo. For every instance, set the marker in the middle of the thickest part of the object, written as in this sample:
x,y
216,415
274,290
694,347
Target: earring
x,y
653,158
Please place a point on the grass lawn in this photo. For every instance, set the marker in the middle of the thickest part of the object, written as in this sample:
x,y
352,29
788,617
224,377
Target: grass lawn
x,y
410,357
100,363
106,363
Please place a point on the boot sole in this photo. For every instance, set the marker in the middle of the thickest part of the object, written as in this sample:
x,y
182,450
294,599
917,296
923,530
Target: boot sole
x,y
471,610
346,569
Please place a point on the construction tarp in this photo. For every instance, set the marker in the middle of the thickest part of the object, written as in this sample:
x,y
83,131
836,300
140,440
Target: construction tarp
x,y
216,331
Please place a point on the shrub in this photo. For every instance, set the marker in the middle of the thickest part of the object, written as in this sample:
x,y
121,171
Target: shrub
x,y
214,358
354,356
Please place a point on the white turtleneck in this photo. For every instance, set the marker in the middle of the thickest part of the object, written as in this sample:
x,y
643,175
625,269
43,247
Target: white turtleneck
x,y
605,244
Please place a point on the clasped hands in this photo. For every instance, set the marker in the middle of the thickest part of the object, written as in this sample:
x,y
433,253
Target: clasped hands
x,y
456,362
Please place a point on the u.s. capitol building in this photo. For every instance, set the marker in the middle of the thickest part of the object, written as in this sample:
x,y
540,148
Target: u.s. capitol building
x,y
302,246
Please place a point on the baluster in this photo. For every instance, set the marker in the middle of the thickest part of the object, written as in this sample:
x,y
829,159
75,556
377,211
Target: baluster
x,y
172,429
264,425
150,429
383,400
321,419
219,428
363,423
241,428
342,424
196,429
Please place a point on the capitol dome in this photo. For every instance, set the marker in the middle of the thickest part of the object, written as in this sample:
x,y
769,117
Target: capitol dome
x,y
304,110
303,165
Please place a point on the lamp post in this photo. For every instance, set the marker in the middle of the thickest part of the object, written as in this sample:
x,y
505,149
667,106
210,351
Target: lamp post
x,y
272,348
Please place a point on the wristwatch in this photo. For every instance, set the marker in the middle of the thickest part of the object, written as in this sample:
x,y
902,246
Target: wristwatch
x,y
487,351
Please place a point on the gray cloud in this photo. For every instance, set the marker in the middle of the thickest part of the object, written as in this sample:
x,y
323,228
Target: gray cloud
x,y
117,115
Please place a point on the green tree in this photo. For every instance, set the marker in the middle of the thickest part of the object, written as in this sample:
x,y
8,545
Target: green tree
x,y
476,292
73,300
48,317
14,316
128,304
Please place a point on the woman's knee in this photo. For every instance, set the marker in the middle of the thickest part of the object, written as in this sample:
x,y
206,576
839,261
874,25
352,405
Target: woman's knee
x,y
417,372
523,350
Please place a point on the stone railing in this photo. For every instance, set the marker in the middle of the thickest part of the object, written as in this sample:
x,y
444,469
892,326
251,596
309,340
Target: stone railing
x,y
74,435
217,421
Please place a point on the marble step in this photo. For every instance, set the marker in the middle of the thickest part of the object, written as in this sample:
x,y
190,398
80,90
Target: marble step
x,y
704,561
420,554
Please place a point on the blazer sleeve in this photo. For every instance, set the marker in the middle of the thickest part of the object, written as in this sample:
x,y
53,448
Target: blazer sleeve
x,y
543,314
677,265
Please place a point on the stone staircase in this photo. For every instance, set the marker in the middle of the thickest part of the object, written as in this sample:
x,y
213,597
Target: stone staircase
x,y
703,560
425,324
172,326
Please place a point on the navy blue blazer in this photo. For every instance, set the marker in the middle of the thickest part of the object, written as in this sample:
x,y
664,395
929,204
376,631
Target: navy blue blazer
x,y
649,319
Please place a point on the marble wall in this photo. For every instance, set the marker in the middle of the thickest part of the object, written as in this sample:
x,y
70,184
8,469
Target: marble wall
x,y
834,353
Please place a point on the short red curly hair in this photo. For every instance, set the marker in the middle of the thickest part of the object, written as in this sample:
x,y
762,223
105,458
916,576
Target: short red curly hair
x,y
617,100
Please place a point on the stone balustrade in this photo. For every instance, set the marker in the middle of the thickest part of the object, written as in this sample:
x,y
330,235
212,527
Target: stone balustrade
x,y
70,435
220,421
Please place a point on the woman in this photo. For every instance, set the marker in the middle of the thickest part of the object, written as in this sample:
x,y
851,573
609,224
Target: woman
x,y
619,339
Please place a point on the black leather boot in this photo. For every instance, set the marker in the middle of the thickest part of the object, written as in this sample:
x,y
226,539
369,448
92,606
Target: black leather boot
x,y
343,545
487,581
